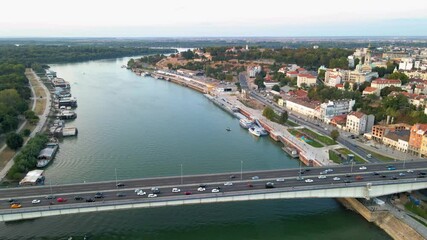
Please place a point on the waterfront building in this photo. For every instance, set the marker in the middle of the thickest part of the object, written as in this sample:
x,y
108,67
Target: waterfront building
x,y
304,107
339,121
359,123
330,109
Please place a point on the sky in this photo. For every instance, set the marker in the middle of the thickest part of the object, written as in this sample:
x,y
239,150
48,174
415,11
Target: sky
x,y
218,18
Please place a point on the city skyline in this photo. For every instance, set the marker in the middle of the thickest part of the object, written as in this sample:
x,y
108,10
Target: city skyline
x,y
189,19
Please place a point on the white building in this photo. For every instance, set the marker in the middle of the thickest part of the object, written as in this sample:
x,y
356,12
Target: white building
x,y
381,83
331,109
253,71
350,61
306,79
359,123
309,109
406,64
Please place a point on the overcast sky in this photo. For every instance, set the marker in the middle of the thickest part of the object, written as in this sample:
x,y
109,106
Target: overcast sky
x,y
189,18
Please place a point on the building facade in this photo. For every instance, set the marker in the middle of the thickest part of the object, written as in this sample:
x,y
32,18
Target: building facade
x,y
359,123
330,109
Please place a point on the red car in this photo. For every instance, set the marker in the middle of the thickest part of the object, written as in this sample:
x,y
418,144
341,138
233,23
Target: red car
x,y
187,193
250,185
359,177
61,200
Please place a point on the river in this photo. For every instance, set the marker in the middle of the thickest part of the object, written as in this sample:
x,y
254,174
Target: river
x,y
143,127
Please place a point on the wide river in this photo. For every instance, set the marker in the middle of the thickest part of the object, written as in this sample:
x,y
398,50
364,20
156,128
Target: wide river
x,y
143,127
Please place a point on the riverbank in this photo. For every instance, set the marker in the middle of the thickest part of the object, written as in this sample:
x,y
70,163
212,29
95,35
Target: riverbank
x,y
41,107
388,222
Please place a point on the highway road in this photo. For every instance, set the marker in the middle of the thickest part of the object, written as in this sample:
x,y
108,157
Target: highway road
x,y
241,182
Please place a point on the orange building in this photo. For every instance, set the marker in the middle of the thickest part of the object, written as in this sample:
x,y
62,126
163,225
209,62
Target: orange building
x,y
378,131
416,137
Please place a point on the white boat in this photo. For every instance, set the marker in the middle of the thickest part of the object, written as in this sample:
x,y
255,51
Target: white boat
x,y
255,131
245,123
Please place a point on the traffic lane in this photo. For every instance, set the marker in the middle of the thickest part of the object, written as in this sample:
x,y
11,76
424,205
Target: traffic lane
x,y
194,179
166,192
291,180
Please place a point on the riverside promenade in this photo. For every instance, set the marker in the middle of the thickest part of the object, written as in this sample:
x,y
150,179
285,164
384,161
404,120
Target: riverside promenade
x,y
41,106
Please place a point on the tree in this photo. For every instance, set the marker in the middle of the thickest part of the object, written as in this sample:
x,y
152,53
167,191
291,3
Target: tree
x,y
401,76
188,54
346,86
170,65
335,134
283,117
14,141
276,88
268,112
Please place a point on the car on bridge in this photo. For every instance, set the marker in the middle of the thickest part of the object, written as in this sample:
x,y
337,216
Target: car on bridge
x,y
90,200
201,189
322,176
359,177
155,190
255,178
176,190
336,178
141,193
121,195
280,180
78,198
309,180
228,184
391,167
269,185
50,197
15,205
61,200
120,184
99,195
35,201
215,190
152,195
363,168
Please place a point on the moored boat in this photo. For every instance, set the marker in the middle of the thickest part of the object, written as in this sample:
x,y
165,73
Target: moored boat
x,y
245,123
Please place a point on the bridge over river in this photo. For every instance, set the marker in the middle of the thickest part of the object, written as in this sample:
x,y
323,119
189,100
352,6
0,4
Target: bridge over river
x,y
356,181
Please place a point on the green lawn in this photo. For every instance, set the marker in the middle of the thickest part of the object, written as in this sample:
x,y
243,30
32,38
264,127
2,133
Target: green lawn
x,y
379,156
416,210
334,157
311,141
321,138
345,151
291,124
